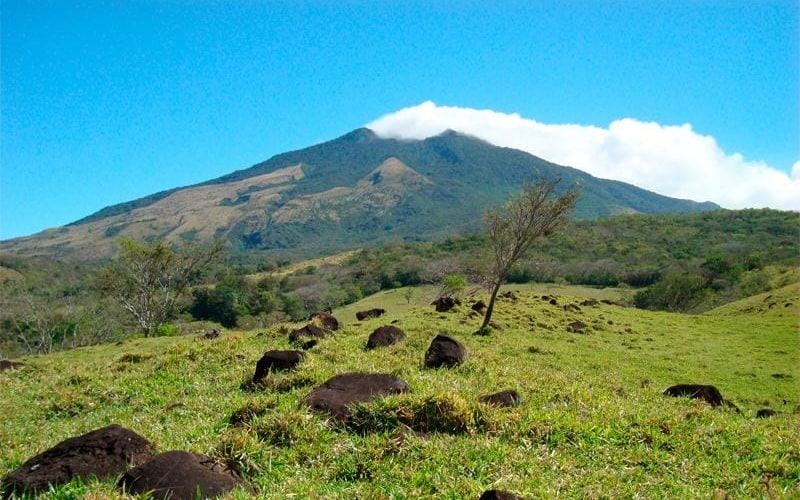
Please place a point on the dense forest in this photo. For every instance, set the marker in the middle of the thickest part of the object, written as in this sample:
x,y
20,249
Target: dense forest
x,y
685,263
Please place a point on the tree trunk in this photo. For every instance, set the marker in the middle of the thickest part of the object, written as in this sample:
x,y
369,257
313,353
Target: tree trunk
x,y
490,308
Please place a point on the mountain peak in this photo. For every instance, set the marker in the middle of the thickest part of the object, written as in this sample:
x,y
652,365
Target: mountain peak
x,y
359,135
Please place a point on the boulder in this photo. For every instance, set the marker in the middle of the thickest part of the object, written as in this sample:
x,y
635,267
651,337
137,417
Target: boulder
x,y
446,303
506,398
336,394
479,306
445,351
6,364
310,330
498,495
179,475
101,453
385,336
211,334
576,327
765,413
308,344
325,320
509,295
707,393
370,313
277,361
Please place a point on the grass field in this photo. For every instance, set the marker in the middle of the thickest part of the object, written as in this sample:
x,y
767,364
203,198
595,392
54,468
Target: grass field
x,y
592,422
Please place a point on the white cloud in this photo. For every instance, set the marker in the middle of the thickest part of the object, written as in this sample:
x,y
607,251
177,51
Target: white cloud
x,y
673,160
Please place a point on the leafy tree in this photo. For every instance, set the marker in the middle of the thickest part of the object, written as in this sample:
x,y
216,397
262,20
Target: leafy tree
x,y
148,279
217,304
452,285
511,229
677,291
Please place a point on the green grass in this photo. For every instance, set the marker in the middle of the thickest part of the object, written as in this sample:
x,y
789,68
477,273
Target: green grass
x,y
592,422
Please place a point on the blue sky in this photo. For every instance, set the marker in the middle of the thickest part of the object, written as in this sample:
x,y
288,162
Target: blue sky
x,y
107,101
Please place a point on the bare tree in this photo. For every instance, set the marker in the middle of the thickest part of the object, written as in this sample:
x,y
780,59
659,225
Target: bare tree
x,y
148,279
37,324
535,212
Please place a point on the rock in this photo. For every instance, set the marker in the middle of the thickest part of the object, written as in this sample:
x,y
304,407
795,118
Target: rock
x,y
589,302
385,336
576,327
6,364
277,361
325,320
765,413
445,351
336,394
310,330
308,344
707,393
509,295
179,475
100,453
507,398
370,313
211,334
446,303
479,306
571,308
498,495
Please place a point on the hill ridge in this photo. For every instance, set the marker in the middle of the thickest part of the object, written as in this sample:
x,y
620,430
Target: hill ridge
x,y
463,177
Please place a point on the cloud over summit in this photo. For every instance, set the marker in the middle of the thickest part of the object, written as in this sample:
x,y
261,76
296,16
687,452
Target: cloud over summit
x,y
673,160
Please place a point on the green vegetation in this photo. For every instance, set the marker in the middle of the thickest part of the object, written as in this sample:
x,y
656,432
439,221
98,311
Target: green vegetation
x,y
689,263
592,421
148,280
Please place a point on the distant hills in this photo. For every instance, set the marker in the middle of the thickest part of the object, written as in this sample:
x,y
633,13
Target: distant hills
x,y
355,190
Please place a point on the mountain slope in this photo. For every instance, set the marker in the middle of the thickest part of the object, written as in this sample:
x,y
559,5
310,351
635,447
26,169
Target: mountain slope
x,y
353,190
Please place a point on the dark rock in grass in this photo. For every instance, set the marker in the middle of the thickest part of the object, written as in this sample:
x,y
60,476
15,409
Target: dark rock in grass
x,y
507,398
6,364
498,495
446,303
589,302
277,361
179,475
100,453
325,320
310,330
553,302
765,413
576,327
308,344
385,336
211,334
707,393
509,295
571,308
479,306
445,351
370,313
335,395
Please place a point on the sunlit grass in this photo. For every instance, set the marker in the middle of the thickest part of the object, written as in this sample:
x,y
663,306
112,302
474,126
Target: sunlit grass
x,y
592,421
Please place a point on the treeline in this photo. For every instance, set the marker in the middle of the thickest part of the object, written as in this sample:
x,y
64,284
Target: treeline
x,y
687,263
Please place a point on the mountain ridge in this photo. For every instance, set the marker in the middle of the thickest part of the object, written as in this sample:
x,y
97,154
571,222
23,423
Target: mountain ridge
x,y
356,189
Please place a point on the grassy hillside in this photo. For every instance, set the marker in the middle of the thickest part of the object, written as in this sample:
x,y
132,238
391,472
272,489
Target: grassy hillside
x,y
592,421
